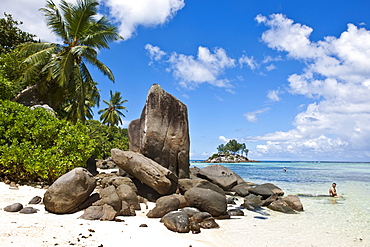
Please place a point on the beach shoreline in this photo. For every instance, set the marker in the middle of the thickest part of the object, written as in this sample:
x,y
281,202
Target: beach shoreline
x,y
253,229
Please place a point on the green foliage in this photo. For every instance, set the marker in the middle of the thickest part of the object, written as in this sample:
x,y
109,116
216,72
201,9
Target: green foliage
x,y
233,146
65,66
36,146
107,138
112,114
11,36
6,88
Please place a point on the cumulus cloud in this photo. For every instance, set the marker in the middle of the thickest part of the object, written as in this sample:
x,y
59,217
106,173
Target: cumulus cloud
x,y
155,53
273,95
130,14
336,77
33,19
207,67
252,116
249,61
224,139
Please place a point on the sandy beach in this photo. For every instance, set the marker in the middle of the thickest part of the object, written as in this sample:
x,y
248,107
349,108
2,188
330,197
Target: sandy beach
x,y
253,229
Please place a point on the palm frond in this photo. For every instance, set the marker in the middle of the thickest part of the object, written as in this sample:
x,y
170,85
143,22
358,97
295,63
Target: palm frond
x,y
54,20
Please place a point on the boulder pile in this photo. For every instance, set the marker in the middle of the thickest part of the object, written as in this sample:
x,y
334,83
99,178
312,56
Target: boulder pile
x,y
156,169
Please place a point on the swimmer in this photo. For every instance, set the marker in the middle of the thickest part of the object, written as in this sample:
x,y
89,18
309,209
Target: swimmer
x,y
333,191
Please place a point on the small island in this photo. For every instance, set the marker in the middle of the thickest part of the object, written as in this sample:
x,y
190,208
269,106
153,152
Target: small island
x,y
229,153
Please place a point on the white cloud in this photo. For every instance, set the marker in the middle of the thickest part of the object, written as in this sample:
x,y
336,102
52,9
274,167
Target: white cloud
x,y
150,13
252,116
224,139
270,67
128,14
28,12
252,64
337,77
190,71
155,53
273,95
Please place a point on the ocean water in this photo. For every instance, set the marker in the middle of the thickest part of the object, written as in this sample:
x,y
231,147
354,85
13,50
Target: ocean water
x,y
345,219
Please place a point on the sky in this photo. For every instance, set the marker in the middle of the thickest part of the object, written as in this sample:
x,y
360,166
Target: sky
x,y
289,78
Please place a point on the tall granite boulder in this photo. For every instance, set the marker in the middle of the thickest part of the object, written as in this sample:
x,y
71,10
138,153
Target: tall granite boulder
x,y
162,132
146,170
69,192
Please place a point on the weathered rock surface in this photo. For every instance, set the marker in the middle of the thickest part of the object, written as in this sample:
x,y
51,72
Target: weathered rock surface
x,y
28,210
266,190
207,200
281,206
109,196
294,202
105,212
69,191
176,221
221,176
35,200
146,170
15,207
162,132
185,184
126,194
235,212
163,206
205,220
241,189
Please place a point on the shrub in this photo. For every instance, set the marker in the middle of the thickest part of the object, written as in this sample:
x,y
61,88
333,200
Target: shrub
x,y
107,138
36,146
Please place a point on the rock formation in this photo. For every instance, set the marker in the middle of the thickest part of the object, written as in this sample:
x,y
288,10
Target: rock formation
x,y
146,170
69,191
162,132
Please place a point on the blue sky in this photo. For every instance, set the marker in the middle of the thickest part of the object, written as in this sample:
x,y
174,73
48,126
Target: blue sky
x,y
291,79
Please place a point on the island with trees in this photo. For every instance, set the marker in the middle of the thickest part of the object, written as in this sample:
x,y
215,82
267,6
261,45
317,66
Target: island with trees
x,y
231,152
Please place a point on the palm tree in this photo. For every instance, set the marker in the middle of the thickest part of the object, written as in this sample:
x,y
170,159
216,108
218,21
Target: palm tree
x,y
64,66
112,114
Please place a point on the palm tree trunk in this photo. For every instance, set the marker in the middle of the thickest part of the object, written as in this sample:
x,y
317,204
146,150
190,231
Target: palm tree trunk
x,y
23,92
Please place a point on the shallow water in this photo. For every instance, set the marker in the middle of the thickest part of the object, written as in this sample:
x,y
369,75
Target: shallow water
x,y
345,219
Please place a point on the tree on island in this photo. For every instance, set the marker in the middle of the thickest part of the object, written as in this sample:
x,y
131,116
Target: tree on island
x,y
233,147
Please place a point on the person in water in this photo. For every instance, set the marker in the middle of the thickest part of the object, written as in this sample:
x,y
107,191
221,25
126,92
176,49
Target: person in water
x,y
333,191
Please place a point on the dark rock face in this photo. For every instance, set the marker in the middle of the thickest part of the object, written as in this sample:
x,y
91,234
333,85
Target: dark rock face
x,y
205,220
28,210
69,191
293,202
241,189
35,200
207,200
176,221
109,196
185,184
163,206
220,175
235,212
15,207
105,212
190,211
162,132
146,170
126,194
266,190
91,166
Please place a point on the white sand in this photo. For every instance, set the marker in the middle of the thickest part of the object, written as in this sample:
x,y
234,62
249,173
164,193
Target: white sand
x,y
46,229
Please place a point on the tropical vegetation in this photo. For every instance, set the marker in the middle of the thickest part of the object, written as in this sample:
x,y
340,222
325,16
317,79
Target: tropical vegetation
x,y
36,145
233,147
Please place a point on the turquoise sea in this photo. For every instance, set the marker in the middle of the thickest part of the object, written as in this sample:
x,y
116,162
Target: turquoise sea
x,y
346,218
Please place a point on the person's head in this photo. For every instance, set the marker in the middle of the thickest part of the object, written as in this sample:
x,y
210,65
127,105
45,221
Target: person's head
x,y
334,184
